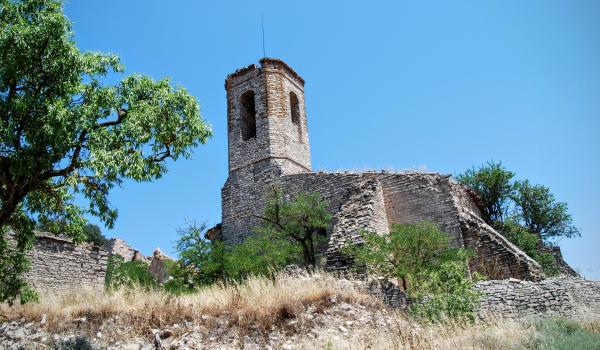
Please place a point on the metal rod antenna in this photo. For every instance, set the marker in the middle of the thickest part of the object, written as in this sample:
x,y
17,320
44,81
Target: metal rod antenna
x,y
262,22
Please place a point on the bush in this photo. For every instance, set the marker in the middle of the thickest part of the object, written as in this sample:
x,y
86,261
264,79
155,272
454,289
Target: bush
x,y
561,334
434,275
447,295
180,278
128,274
532,245
201,262
264,254
292,232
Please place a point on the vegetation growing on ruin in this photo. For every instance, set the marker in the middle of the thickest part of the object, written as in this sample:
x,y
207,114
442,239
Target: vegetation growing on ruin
x,y
128,274
420,258
65,132
93,233
527,214
292,232
303,220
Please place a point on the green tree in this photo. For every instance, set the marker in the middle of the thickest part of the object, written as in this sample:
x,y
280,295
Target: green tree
x,y
540,213
93,234
65,132
201,261
493,184
304,219
420,258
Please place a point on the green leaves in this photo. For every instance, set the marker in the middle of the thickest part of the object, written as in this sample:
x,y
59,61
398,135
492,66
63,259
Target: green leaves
x,y
492,182
532,206
541,213
65,132
120,273
420,258
528,215
303,219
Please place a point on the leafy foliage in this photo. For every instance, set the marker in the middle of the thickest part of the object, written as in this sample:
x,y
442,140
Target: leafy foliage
x,y
64,132
291,233
92,233
539,212
261,255
448,294
531,206
120,273
201,261
532,245
304,219
492,182
180,278
420,258
528,215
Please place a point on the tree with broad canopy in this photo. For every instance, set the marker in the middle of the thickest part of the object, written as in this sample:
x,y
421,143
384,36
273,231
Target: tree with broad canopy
x,y
66,133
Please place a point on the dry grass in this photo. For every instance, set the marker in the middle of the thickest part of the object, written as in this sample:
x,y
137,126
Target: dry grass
x,y
257,305
260,307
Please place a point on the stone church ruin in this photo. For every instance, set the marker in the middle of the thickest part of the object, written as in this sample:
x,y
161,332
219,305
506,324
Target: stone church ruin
x,y
268,145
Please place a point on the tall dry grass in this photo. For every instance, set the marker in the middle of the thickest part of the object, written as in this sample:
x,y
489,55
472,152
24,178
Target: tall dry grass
x,y
258,304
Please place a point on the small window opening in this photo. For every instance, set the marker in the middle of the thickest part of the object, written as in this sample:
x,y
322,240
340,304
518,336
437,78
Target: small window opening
x,y
248,115
295,108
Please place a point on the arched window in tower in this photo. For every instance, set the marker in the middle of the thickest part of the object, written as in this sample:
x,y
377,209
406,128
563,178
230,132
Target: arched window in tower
x,y
248,110
295,108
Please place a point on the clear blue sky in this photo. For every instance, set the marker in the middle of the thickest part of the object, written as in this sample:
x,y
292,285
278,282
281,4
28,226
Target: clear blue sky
x,y
433,85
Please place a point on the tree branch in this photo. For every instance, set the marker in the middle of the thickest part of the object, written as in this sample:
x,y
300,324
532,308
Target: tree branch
x,y
74,162
162,156
121,114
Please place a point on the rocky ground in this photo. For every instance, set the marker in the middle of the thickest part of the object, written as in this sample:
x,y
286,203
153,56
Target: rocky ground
x,y
338,323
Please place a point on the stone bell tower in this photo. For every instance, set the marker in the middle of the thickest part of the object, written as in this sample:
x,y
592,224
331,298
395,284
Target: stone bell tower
x,y
266,117
267,138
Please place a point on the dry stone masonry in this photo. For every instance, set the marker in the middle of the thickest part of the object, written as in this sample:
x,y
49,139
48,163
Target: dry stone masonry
x,y
59,264
268,146
570,297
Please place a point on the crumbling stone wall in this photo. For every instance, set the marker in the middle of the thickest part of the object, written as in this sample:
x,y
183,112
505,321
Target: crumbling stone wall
x,y
59,264
569,297
374,201
413,197
117,246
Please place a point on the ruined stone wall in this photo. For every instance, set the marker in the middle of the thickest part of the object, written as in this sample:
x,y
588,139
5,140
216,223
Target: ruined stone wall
x,y
117,246
279,154
568,297
496,257
374,201
414,197
59,264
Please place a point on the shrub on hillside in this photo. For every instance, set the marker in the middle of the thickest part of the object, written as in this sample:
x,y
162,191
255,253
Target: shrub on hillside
x,y
128,274
420,258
